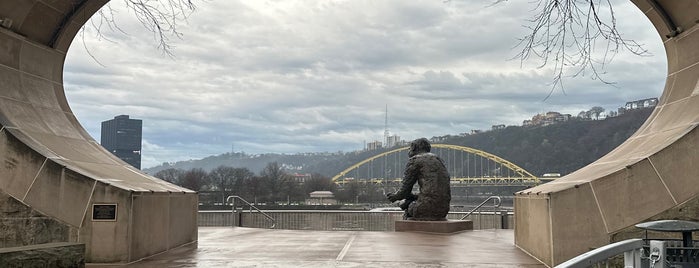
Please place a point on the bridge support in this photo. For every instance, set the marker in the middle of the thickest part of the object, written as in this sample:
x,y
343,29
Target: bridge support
x,y
652,175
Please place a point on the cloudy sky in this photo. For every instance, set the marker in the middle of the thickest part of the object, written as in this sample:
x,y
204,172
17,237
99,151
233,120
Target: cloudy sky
x,y
311,76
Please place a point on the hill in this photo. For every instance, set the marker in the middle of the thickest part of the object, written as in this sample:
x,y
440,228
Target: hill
x,y
559,148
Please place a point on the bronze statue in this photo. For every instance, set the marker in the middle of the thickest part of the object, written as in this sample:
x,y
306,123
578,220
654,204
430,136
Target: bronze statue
x,y
428,170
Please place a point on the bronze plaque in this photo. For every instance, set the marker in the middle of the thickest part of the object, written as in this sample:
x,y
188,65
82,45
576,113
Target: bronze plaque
x,y
104,212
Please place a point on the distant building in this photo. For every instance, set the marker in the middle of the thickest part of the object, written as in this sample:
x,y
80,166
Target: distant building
x,y
286,166
392,141
546,119
497,127
122,137
438,139
639,104
301,178
476,131
321,198
374,145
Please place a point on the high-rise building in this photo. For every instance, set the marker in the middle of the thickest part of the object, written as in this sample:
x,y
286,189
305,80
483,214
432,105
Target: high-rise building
x,y
122,137
392,141
374,145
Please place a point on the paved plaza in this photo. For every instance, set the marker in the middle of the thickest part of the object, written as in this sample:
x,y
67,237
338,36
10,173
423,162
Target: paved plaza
x,y
250,247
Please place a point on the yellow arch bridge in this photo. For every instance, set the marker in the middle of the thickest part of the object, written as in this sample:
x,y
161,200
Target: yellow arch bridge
x,y
467,166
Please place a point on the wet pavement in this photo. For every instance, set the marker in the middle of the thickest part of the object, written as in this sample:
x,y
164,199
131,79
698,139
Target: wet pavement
x,y
250,247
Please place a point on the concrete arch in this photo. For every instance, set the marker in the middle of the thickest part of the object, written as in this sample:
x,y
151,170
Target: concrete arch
x,y
49,163
651,175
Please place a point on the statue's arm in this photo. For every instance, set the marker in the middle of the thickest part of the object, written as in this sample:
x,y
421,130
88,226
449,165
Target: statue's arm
x,y
412,170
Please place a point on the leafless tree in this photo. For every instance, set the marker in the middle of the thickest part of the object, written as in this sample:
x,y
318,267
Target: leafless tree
x,y
171,175
581,35
161,17
194,179
596,111
222,178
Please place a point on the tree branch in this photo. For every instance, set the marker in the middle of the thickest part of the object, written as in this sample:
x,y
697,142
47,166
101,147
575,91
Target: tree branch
x,y
566,34
160,17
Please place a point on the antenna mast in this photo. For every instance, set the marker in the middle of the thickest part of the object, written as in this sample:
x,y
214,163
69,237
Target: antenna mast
x,y
385,131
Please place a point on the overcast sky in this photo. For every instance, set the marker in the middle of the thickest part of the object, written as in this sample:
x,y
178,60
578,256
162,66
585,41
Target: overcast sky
x,y
313,76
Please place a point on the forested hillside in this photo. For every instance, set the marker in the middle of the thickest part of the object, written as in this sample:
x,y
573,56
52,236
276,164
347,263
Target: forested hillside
x,y
559,148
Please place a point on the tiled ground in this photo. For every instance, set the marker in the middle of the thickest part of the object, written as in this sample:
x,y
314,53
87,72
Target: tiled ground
x,y
247,247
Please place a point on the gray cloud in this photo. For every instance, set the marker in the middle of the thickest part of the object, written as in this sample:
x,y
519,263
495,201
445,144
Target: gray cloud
x,y
299,76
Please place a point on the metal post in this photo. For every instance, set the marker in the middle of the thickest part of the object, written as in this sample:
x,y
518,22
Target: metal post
x,y
235,214
632,259
504,224
687,239
687,243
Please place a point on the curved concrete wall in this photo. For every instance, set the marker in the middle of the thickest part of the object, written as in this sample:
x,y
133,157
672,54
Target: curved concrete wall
x,y
650,175
50,163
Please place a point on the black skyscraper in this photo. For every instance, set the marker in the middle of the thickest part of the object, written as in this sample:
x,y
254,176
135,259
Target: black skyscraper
x,y
122,137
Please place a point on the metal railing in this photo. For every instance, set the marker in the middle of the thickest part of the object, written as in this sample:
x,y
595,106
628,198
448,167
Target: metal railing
x,y
340,220
631,248
231,199
496,204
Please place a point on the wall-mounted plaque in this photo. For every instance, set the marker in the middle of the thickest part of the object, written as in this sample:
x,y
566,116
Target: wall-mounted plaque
x,y
104,212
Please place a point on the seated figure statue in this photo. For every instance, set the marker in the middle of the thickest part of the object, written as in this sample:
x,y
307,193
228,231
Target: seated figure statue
x,y
428,170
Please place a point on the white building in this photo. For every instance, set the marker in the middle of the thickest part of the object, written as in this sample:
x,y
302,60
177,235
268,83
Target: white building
x,y
321,198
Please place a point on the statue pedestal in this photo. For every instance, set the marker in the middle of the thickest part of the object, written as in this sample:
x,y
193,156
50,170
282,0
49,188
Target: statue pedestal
x,y
442,227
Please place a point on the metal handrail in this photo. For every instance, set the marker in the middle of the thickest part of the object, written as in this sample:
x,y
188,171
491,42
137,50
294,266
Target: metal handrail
x,y
496,204
601,254
274,222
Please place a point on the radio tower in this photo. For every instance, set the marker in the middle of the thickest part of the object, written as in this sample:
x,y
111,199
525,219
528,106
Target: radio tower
x,y
385,131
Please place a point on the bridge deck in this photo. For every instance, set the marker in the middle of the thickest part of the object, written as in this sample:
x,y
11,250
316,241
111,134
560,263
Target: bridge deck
x,y
248,247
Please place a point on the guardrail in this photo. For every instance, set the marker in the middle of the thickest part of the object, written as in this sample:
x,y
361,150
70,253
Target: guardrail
x,y
631,248
644,253
496,204
231,199
338,220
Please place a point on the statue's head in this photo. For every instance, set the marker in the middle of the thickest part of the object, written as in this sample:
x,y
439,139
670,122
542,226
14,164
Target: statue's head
x,y
419,146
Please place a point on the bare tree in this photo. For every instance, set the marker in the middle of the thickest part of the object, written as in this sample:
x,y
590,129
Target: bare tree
x,y
566,34
277,181
584,115
161,17
255,187
171,175
596,111
194,179
222,178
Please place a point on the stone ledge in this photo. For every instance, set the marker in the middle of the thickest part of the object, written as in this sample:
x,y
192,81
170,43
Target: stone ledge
x,y
442,227
20,225
44,255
